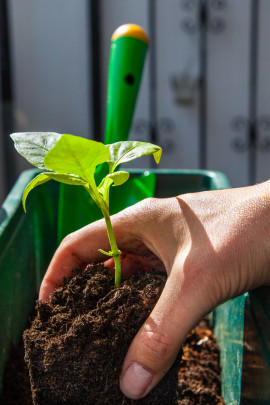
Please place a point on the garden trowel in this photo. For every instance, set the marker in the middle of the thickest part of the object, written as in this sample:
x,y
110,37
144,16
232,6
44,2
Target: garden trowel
x,y
129,44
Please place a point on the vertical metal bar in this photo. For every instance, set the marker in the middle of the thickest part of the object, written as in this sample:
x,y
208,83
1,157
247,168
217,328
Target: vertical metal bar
x,y
152,72
253,88
6,97
95,61
203,19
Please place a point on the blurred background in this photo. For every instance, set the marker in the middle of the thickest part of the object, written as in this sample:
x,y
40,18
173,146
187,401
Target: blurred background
x,y
205,93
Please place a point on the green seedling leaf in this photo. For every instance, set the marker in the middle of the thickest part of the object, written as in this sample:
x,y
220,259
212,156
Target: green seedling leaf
x,y
122,152
44,177
114,179
34,146
76,155
37,181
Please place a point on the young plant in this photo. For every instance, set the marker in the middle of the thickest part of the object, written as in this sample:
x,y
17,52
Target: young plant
x,y
74,160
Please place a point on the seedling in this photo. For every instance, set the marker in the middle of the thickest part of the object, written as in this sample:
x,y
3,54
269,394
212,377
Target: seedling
x,y
74,160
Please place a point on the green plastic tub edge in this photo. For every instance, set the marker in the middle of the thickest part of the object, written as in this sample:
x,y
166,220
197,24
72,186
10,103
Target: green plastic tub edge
x,y
27,243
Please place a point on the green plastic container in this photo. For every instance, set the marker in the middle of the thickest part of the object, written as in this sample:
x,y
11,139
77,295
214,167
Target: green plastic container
x,y
28,241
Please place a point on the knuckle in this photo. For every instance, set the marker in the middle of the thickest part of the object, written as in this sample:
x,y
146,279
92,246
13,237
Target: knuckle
x,y
149,203
66,244
145,205
155,346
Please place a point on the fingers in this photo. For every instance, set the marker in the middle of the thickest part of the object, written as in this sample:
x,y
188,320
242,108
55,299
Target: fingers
x,y
157,343
78,249
81,248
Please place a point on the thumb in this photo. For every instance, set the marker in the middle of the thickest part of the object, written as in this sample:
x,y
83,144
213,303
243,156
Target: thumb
x,y
156,345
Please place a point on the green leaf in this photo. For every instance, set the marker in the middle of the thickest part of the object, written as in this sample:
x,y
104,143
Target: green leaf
x,y
67,179
122,152
113,179
44,177
119,177
34,146
40,179
76,155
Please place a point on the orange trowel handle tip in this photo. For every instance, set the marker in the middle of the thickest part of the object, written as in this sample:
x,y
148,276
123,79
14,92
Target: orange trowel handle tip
x,y
130,30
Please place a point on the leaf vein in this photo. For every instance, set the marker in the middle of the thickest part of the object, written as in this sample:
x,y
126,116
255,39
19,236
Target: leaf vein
x,y
121,157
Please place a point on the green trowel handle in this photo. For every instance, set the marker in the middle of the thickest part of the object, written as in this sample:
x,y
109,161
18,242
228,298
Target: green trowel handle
x,y
128,49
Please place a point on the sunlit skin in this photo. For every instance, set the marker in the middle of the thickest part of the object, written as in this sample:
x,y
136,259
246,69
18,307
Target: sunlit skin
x,y
214,245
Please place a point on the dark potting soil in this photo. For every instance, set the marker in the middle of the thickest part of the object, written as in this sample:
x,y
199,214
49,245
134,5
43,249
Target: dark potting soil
x,y
77,342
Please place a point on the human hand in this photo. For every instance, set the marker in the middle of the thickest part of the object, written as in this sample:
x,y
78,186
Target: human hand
x,y
213,245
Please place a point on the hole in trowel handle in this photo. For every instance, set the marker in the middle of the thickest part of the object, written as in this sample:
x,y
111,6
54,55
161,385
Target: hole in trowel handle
x,y
130,79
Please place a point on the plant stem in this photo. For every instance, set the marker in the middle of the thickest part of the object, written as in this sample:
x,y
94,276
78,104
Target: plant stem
x,y
115,252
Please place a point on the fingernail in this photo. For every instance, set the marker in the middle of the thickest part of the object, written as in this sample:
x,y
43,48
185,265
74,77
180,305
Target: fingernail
x,y
135,381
